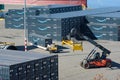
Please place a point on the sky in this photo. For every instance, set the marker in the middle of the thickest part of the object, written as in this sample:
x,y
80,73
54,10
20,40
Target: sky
x,y
102,3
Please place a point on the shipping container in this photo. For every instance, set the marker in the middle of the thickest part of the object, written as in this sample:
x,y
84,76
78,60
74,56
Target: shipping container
x,y
19,65
105,31
106,18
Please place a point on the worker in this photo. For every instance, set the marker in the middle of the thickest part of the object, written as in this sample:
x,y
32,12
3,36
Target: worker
x,y
97,55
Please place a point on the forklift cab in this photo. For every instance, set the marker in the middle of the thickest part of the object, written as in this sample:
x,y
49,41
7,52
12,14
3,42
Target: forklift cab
x,y
96,55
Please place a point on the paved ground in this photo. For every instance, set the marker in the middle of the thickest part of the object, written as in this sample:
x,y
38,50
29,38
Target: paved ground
x,y
69,68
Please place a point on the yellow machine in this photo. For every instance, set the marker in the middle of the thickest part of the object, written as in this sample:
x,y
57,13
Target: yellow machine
x,y
7,45
75,45
52,48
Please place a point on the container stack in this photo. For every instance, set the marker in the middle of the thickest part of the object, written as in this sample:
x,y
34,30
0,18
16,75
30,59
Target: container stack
x,y
105,26
40,40
55,26
58,26
43,23
14,18
18,65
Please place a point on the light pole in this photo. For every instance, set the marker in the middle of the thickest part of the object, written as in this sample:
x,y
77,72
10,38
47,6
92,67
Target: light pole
x,y
25,28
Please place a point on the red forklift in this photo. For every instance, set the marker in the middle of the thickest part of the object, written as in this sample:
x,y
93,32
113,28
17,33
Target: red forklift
x,y
94,59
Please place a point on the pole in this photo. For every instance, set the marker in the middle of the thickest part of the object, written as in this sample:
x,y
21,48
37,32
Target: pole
x,y
25,29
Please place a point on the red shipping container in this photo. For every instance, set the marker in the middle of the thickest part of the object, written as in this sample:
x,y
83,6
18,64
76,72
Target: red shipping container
x,y
44,2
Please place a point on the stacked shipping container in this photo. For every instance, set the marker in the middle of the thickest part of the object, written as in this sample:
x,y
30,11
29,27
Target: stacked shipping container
x,y
14,19
17,65
105,26
55,26
58,26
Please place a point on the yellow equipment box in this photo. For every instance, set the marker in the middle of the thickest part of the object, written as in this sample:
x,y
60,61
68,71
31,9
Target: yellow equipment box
x,y
75,46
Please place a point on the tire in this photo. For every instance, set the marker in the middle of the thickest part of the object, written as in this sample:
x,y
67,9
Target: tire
x,y
86,65
108,64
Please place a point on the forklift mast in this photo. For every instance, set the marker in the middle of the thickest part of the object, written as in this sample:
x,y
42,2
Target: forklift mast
x,y
105,51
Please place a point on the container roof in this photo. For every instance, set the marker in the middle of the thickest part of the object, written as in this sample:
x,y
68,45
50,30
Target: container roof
x,y
81,13
11,57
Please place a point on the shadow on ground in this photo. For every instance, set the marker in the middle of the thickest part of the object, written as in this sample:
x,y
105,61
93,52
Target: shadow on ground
x,y
115,65
61,47
21,48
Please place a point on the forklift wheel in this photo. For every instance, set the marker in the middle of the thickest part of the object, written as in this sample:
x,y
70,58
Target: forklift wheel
x,y
86,65
108,64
